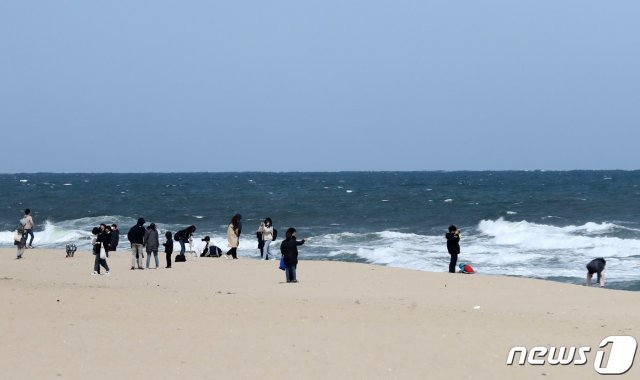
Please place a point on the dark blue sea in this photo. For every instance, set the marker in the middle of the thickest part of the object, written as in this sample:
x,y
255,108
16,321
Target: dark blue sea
x,y
538,224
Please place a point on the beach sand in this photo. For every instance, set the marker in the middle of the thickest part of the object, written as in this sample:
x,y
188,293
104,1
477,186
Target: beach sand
x,y
217,318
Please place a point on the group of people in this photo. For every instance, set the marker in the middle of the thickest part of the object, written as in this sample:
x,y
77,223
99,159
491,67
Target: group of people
x,y
595,266
146,239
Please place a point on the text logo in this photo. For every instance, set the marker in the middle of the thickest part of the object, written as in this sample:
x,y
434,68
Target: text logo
x,y
622,353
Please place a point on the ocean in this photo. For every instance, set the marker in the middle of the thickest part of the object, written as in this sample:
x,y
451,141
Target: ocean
x,y
538,224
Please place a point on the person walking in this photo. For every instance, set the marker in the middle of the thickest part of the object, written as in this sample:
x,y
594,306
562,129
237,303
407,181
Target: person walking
x,y
289,250
267,232
100,242
152,243
168,247
233,237
114,238
28,224
453,246
136,238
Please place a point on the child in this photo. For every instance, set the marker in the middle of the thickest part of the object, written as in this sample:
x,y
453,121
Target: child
x,y
453,246
168,248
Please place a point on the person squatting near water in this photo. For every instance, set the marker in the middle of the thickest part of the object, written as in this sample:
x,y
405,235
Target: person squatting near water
x,y
596,266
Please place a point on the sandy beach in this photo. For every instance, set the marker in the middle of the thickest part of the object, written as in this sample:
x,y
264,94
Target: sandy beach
x,y
217,318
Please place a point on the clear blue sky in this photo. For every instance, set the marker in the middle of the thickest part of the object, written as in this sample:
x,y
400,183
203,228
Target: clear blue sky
x,y
136,86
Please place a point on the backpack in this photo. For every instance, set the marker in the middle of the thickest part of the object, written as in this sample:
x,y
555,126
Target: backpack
x,y
180,259
466,268
275,234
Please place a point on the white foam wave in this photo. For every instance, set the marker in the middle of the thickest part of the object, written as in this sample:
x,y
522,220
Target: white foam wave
x,y
495,247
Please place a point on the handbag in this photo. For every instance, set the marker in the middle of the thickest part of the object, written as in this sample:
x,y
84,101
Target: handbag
x,y
103,253
17,237
282,266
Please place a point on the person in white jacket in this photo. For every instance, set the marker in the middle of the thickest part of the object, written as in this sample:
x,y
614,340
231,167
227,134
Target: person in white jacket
x,y
27,223
266,229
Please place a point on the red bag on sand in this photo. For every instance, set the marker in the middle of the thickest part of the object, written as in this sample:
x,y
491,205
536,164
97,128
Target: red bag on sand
x,y
466,268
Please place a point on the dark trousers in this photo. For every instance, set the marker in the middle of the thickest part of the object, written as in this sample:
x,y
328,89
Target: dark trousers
x,y
452,263
290,273
233,253
98,262
30,233
168,254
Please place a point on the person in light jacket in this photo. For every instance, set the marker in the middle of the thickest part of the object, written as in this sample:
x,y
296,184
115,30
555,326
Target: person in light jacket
x,y
266,231
233,237
136,238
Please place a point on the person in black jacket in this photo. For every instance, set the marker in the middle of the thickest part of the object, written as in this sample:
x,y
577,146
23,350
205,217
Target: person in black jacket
x,y
596,266
289,249
136,238
100,241
184,236
168,248
453,246
114,238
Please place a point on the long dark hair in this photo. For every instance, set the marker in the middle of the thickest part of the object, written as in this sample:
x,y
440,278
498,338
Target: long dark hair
x,y
290,233
268,222
235,221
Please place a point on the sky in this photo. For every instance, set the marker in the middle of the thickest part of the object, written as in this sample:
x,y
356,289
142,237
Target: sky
x,y
318,85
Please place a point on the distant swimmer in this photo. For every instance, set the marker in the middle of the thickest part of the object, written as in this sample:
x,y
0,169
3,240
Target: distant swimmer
x,y
596,266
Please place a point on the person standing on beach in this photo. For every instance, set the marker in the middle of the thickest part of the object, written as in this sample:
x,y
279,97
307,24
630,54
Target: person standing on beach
x,y
27,223
267,236
289,250
596,266
100,242
105,235
114,239
20,241
152,243
453,246
168,247
184,237
233,236
136,238
260,241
